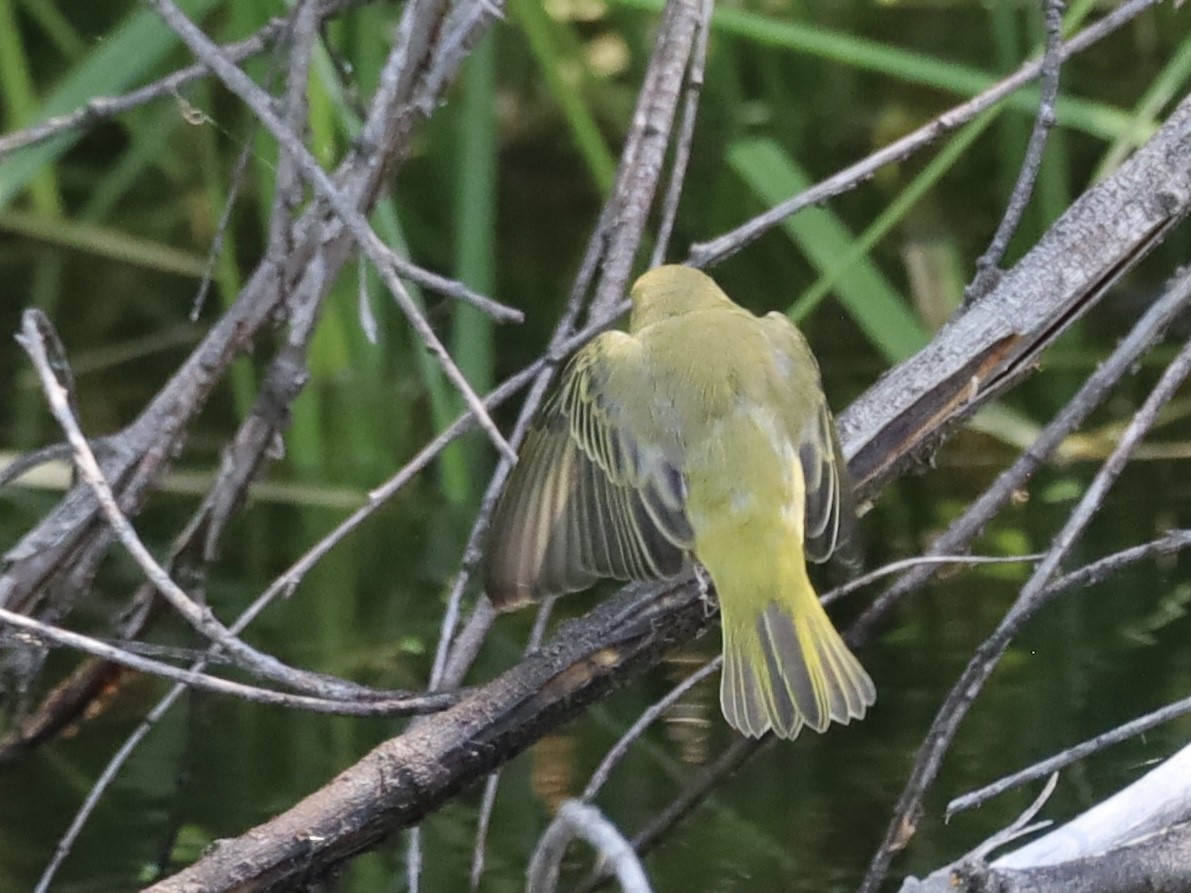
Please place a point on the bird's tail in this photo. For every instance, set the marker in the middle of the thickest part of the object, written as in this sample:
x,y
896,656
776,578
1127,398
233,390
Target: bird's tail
x,y
785,665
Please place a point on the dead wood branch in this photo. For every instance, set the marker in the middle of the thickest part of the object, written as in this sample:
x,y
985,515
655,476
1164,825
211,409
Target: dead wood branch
x,y
1137,839
51,568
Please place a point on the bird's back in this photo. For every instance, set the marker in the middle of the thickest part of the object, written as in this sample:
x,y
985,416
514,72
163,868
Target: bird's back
x,y
709,367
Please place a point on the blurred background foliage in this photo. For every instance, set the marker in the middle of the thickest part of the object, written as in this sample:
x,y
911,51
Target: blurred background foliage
x,y
109,229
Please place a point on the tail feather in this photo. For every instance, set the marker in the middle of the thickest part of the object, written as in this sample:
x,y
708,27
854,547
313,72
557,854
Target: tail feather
x,y
851,680
741,698
784,669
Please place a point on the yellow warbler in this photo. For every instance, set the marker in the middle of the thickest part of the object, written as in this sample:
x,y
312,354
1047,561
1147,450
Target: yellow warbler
x,y
702,430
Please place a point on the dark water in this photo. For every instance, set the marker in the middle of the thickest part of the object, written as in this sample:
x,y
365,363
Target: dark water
x,y
801,816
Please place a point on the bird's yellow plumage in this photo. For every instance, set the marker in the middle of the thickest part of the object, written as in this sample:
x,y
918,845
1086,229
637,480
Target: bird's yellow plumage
x,y
704,431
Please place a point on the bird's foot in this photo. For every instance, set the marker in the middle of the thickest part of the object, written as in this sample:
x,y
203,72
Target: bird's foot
x,y
707,596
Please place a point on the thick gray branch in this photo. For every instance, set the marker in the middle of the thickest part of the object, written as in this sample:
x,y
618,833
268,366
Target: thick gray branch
x,y
977,354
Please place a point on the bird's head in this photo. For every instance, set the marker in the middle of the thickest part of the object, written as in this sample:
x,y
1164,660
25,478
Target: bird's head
x,y
672,290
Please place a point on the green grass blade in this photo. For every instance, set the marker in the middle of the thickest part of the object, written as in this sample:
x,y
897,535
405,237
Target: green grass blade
x,y
104,242
475,244
56,26
872,302
20,100
555,63
119,61
1094,118
893,214
1168,84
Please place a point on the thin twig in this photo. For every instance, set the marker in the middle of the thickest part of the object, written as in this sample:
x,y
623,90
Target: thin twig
x,y
478,851
577,819
119,758
1171,542
1024,824
645,150
394,703
1174,541
649,716
686,133
26,462
493,781
988,269
32,340
1033,596
100,108
1074,754
452,288
367,240
896,567
287,188
236,182
1091,394
705,254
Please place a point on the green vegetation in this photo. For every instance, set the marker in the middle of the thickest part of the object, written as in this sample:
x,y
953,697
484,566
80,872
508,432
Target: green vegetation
x,y
109,228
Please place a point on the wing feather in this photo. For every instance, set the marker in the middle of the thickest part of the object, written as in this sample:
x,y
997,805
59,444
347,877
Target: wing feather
x,y
589,497
829,512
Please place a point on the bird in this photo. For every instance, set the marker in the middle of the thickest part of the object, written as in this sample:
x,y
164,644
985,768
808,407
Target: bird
x,y
701,433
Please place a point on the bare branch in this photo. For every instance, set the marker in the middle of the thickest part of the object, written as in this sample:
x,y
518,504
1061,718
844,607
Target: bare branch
x,y
921,561
367,240
706,254
1148,330
1137,839
686,133
394,703
287,189
979,353
200,618
487,805
99,108
988,265
645,150
577,819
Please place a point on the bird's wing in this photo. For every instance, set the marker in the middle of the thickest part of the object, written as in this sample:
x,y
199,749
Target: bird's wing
x,y
830,513
830,510
589,497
